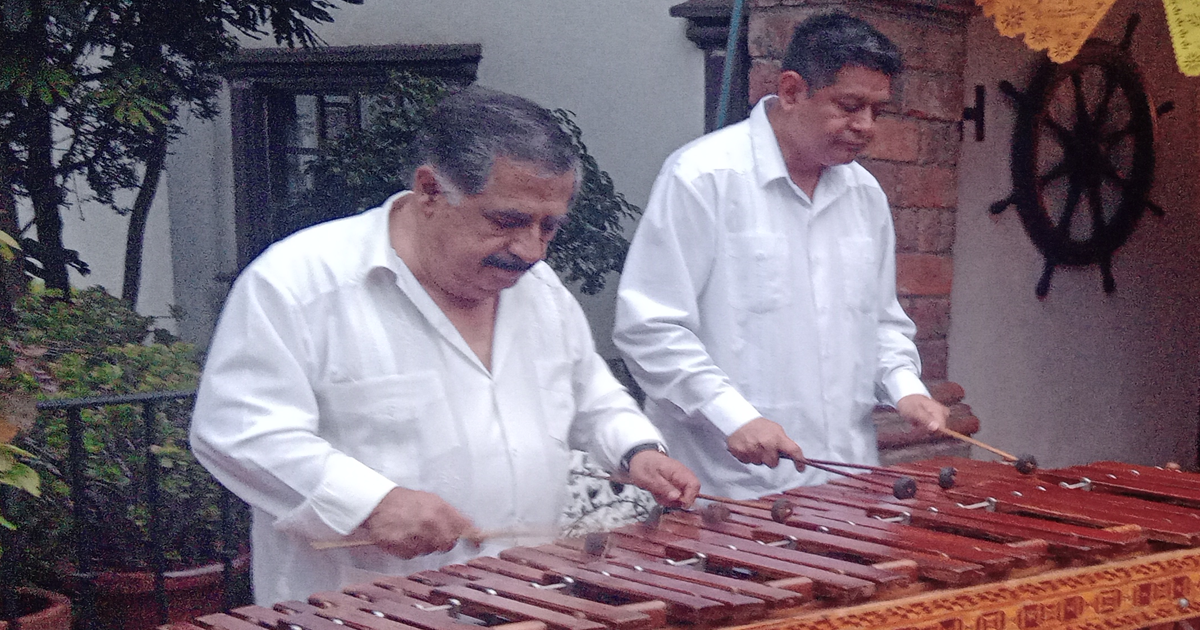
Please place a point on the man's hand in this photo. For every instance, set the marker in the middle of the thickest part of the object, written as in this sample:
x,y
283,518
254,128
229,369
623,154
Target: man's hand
x,y
671,483
760,441
923,412
410,523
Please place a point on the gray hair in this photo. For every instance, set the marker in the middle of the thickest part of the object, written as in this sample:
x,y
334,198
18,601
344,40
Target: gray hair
x,y
473,127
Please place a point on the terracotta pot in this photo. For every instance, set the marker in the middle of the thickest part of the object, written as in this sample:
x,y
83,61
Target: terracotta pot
x,y
126,600
52,611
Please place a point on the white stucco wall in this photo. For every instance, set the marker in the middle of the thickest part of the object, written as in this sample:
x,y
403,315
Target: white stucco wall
x,y
1080,376
98,233
202,238
623,66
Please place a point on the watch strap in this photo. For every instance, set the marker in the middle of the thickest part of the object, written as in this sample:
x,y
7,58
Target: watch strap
x,y
645,446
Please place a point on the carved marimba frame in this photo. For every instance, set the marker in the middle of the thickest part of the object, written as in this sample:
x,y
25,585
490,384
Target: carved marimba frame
x,y
1131,594
1102,546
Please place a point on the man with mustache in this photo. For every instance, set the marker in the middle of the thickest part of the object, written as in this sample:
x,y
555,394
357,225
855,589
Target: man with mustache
x,y
757,308
414,376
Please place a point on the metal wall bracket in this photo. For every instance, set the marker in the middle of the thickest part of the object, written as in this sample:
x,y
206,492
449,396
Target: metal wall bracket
x,y
975,114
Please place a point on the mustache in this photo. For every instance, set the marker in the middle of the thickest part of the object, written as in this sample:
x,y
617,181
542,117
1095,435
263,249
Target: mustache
x,y
507,262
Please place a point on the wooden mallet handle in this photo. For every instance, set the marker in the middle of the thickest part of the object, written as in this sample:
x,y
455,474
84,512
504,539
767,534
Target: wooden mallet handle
x,y
476,539
758,505
972,441
320,545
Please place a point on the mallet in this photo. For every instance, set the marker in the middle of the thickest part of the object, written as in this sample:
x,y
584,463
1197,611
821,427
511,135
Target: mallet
x,y
473,539
1024,464
904,487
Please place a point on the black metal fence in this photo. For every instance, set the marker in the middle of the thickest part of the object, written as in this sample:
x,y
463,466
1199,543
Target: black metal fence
x,y
84,577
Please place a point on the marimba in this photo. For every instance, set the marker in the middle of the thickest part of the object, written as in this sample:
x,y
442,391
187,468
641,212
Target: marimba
x,y
1106,545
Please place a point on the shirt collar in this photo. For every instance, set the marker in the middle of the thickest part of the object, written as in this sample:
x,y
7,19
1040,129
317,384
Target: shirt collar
x,y
768,157
379,251
381,254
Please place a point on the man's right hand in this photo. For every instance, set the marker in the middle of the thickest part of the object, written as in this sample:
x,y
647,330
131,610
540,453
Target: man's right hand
x,y
410,523
761,441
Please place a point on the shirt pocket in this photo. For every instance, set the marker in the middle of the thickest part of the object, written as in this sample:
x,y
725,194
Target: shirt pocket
x,y
860,273
556,386
760,271
399,425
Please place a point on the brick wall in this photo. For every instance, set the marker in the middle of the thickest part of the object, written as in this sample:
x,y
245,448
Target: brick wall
x,y
914,157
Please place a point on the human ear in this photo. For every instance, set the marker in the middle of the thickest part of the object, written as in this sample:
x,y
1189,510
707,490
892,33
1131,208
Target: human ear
x,y
792,87
428,189
425,182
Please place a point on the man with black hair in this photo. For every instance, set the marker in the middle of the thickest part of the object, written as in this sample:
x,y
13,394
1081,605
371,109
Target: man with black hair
x,y
757,308
414,376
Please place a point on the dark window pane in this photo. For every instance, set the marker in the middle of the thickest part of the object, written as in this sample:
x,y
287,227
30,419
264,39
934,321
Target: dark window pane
x,y
303,130
340,116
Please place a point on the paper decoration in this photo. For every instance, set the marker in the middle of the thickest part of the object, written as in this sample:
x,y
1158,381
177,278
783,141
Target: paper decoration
x,y
1057,26
1183,17
1061,26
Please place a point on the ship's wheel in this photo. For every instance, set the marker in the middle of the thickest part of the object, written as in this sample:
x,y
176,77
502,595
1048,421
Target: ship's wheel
x,y
1083,157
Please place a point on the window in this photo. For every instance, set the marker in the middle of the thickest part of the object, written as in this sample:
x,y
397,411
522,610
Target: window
x,y
287,105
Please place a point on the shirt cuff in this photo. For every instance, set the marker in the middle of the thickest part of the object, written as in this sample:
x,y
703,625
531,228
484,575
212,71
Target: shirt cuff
x,y
901,383
349,493
729,411
621,433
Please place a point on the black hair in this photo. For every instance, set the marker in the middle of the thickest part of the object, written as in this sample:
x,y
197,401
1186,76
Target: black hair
x,y
824,44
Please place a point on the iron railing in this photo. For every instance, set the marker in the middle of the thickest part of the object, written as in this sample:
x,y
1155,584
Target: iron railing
x,y
85,574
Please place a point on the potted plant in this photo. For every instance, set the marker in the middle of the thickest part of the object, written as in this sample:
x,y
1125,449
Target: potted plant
x,y
94,345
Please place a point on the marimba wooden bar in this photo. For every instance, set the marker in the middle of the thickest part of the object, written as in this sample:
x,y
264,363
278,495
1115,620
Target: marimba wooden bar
x,y
1106,545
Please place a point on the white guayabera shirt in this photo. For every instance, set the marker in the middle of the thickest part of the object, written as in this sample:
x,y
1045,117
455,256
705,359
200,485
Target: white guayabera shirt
x,y
741,297
333,378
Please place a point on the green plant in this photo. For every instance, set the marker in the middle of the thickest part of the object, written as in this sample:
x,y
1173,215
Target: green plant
x,y
95,345
17,474
91,91
362,168
21,376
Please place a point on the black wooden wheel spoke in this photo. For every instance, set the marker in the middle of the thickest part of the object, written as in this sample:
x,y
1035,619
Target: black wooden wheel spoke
x,y
1105,262
1098,224
1110,88
1065,136
1113,175
1068,213
1057,171
1082,117
1113,137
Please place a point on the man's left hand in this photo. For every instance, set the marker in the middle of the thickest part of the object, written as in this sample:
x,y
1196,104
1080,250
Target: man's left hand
x,y
671,483
923,412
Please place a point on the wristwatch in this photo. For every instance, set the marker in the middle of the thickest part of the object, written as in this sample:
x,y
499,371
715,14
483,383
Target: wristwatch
x,y
644,446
